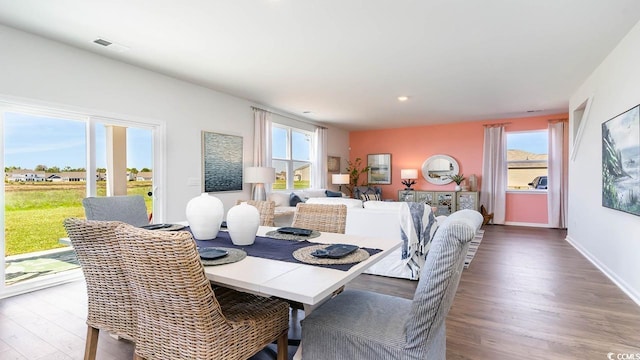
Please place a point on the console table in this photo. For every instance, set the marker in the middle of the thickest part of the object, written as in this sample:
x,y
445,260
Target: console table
x,y
446,202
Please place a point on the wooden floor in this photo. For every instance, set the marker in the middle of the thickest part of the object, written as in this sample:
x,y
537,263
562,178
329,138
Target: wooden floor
x,y
527,295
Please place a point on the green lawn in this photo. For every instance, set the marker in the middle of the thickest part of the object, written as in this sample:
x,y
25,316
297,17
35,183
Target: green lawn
x,y
281,184
34,212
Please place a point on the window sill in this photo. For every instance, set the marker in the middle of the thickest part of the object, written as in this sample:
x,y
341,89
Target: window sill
x,y
530,191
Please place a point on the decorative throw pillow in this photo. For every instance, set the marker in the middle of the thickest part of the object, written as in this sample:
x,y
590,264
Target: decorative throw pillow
x,y
294,199
367,197
330,193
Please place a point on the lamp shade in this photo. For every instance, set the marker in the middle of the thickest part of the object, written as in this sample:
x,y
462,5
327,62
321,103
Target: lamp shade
x,y
259,175
409,173
339,179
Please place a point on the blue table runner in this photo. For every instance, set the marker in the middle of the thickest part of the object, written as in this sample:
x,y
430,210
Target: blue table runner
x,y
275,249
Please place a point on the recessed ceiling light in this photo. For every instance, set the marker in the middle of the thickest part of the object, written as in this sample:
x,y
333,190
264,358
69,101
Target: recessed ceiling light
x,y
403,98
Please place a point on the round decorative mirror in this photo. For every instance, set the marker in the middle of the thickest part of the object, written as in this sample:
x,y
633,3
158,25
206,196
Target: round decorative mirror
x,y
438,169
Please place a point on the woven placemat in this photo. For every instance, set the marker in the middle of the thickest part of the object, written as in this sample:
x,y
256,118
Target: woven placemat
x,y
278,235
304,255
234,255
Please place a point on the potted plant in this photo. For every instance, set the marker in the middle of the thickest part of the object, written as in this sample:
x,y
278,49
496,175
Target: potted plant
x,y
457,178
355,171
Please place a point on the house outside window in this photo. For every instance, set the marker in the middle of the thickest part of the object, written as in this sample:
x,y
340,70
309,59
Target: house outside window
x,y
291,157
527,160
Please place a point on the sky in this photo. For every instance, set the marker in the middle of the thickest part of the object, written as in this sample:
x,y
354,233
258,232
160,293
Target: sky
x,y
300,146
535,142
37,140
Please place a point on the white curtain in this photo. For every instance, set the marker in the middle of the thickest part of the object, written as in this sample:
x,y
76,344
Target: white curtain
x,y
557,196
494,172
262,138
320,158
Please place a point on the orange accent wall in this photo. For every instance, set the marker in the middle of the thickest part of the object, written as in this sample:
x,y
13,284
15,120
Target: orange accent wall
x,y
411,146
527,208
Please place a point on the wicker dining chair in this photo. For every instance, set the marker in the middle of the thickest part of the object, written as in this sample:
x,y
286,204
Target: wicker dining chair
x,y
267,210
180,316
110,306
321,217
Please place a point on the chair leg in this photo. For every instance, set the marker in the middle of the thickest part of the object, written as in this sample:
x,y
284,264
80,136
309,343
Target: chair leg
x,y
283,348
91,345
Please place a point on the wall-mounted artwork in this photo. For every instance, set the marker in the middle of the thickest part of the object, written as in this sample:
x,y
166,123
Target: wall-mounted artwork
x,y
333,163
221,162
621,162
379,168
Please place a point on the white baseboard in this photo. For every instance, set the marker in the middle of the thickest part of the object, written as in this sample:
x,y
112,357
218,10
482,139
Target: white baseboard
x,y
514,223
635,296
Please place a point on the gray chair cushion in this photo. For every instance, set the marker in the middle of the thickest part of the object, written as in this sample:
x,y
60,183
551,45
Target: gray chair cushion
x,y
356,325
128,209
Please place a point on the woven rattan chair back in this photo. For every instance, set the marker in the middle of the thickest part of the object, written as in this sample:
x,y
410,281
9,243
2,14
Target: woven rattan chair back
x,y
179,316
267,210
109,299
321,217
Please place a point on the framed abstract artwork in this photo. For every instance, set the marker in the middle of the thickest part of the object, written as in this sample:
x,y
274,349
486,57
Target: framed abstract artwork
x,y
379,168
621,162
221,162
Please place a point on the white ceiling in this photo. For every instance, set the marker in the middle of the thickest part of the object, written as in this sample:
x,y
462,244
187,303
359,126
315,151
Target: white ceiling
x,y
348,60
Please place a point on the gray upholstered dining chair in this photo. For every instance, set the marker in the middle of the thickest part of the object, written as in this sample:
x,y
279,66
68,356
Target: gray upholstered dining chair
x,y
321,217
366,325
178,314
129,209
110,306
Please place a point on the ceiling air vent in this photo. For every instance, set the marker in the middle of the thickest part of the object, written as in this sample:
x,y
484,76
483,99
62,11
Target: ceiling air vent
x,y
111,45
102,42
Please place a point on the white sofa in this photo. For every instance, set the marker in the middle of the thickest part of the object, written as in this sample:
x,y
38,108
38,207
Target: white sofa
x,y
383,221
380,219
284,211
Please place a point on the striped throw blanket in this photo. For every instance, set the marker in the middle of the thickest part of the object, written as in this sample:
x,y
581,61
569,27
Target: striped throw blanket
x,y
418,225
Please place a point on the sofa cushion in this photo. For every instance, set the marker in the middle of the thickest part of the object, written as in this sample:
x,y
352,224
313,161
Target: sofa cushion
x,y
375,204
294,199
311,193
330,193
367,197
350,203
280,198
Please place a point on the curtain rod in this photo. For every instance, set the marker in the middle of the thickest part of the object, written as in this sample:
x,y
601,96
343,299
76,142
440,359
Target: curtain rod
x,y
289,117
558,120
496,124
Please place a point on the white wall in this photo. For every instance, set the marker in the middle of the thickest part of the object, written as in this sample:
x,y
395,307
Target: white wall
x,y
609,238
34,68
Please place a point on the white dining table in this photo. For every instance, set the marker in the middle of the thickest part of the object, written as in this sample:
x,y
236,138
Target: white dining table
x,y
308,284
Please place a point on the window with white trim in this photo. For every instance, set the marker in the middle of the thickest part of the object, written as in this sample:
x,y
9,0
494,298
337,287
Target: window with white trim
x,y
527,160
291,150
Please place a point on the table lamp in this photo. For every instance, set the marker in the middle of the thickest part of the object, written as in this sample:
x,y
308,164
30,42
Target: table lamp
x,y
258,176
339,179
408,177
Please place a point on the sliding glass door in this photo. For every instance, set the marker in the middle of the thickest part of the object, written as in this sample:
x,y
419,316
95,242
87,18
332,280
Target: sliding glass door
x,y
51,161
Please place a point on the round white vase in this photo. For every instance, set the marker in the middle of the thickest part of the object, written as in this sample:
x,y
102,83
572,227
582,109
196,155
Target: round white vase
x,y
243,221
458,188
204,215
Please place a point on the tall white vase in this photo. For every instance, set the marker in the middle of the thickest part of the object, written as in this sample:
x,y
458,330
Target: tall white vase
x,y
243,221
204,215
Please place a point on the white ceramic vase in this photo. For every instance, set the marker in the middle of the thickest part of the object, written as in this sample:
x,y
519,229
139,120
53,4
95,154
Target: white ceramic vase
x,y
243,221
204,215
458,188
